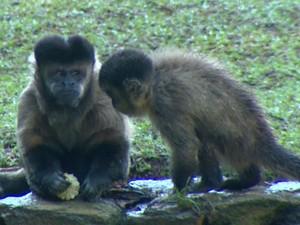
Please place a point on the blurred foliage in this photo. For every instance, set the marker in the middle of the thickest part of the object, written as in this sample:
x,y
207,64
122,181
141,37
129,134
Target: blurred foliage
x,y
257,40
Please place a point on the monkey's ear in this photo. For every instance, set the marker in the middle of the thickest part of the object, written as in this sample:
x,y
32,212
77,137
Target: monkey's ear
x,y
133,86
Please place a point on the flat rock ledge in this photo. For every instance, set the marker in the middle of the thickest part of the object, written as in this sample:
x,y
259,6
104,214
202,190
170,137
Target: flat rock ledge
x,y
261,205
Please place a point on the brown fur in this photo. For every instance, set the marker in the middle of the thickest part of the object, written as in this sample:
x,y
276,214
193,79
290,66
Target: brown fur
x,y
88,140
204,115
43,122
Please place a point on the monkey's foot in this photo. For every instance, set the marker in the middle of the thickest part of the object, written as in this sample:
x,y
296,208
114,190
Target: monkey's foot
x,y
202,187
236,184
93,187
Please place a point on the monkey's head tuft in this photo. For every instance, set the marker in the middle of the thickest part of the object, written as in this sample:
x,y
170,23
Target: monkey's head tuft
x,y
57,49
126,64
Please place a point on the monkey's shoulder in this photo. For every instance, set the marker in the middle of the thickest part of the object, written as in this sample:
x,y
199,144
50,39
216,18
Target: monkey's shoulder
x,y
171,100
28,106
28,95
170,90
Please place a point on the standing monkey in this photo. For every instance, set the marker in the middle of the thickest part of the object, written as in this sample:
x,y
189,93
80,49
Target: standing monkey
x,y
204,115
66,124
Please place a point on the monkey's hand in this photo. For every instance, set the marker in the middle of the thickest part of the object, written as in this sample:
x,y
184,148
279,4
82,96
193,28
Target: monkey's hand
x,y
53,183
93,187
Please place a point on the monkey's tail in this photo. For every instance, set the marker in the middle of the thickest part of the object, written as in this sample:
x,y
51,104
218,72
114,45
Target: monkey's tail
x,y
13,183
282,161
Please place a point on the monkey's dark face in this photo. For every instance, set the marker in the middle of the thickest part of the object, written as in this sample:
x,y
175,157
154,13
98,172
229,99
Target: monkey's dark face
x,y
124,101
66,83
125,77
64,68
119,99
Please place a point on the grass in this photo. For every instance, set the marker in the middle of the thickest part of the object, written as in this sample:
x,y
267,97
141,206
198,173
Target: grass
x,y
257,40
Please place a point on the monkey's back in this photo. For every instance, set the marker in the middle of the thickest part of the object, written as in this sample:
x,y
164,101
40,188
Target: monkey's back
x,y
201,92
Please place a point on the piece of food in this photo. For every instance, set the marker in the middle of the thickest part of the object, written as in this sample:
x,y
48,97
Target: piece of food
x,y
73,190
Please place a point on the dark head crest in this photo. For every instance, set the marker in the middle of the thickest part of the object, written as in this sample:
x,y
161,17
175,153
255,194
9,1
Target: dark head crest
x,y
126,64
55,48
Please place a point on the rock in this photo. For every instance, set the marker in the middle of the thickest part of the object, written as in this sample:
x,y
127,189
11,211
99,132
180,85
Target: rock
x,y
267,204
249,208
31,210
277,204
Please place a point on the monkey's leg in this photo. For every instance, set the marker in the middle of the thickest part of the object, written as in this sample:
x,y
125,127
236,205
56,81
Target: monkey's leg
x,y
248,177
43,171
209,168
110,162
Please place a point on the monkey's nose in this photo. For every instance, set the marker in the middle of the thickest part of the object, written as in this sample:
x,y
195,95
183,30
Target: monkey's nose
x,y
68,83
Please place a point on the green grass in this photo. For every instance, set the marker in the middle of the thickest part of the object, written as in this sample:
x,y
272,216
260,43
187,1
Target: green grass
x,y
257,40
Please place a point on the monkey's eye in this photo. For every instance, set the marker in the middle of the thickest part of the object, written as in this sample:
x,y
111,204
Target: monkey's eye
x,y
75,73
59,73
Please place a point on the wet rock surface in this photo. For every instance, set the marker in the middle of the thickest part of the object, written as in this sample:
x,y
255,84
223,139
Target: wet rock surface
x,y
152,203
31,210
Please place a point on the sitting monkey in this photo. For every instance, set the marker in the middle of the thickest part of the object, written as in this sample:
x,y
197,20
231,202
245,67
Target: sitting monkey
x,y
66,124
203,114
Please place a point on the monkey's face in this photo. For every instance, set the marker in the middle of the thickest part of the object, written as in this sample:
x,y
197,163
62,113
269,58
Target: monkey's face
x,y
124,101
119,99
66,83
125,77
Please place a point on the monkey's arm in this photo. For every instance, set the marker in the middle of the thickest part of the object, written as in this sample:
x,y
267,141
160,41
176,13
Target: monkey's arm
x,y
43,171
179,134
40,153
190,156
109,152
209,169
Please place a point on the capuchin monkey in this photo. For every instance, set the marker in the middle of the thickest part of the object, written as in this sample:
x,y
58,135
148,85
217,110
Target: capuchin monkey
x,y
66,124
204,115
